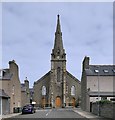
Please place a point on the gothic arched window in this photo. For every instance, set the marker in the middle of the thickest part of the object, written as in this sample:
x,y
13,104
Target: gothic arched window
x,y
73,90
58,74
43,90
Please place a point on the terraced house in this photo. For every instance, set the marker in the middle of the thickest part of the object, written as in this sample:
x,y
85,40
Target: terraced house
x,y
97,83
10,84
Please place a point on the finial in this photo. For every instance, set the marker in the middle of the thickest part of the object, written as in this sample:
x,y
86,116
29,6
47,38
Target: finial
x,y
13,61
58,16
26,78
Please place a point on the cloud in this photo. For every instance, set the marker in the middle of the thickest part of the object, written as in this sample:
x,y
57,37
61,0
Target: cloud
x,y
29,32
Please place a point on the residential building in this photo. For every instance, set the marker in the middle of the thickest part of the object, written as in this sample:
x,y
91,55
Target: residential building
x,y
4,103
57,88
25,93
31,94
10,83
96,83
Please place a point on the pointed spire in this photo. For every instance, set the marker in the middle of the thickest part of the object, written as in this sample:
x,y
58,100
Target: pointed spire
x,y
58,44
58,29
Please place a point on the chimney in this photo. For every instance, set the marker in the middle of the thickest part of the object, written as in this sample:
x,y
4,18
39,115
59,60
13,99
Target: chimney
x,y
13,67
85,63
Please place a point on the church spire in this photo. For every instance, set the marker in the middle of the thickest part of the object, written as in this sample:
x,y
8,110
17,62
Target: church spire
x,y
58,29
58,45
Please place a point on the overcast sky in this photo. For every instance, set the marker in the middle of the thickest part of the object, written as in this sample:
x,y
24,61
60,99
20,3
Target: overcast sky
x,y
29,29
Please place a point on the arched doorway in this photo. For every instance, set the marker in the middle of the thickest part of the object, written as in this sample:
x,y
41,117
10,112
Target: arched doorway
x,y
58,102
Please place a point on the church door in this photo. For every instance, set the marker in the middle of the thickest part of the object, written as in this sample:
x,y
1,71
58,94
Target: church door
x,y
73,102
43,102
58,102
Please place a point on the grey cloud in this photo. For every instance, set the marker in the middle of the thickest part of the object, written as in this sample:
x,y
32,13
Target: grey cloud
x,y
29,30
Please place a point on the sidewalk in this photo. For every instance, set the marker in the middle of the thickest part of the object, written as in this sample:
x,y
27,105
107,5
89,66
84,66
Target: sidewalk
x,y
87,114
9,115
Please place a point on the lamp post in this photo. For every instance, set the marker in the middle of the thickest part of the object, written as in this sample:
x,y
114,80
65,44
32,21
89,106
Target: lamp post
x,y
98,93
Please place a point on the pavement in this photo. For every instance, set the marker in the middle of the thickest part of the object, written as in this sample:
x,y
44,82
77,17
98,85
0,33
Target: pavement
x,y
89,114
85,114
76,110
9,115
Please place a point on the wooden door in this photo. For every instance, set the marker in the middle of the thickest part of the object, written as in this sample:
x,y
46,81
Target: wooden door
x,y
58,102
43,102
73,102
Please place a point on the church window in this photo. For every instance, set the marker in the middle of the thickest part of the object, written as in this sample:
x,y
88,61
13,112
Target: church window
x,y
58,74
73,90
58,51
43,90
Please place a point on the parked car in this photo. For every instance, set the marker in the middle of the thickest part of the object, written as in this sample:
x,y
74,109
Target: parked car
x,y
28,109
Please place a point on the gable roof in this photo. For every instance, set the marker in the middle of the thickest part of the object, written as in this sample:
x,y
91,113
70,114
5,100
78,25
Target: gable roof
x,y
6,75
42,78
72,77
100,70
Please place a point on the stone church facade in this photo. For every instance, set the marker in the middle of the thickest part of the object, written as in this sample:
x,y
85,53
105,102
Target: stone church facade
x,y
58,87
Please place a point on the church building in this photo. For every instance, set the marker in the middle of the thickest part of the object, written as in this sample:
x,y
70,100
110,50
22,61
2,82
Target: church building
x,y
57,88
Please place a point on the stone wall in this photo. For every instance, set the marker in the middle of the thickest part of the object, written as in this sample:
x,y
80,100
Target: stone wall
x,y
105,109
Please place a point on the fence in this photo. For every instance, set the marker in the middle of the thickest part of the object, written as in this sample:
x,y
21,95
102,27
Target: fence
x,y
104,109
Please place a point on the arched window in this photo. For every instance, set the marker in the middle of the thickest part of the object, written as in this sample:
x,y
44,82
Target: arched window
x,y
43,90
73,90
58,74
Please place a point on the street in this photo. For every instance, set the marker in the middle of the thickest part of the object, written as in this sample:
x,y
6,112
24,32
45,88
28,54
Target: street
x,y
52,113
67,113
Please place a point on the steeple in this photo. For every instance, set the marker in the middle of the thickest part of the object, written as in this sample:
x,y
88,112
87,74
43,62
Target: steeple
x,y
58,29
58,44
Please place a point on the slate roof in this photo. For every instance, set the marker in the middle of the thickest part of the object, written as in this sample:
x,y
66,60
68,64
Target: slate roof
x,y
101,70
6,75
3,94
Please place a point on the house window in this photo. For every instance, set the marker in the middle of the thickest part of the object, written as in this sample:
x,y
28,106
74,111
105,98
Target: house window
x,y
13,90
58,74
43,90
96,71
103,98
73,90
0,73
106,71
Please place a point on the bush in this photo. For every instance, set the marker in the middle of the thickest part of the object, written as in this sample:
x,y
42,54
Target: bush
x,y
103,101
